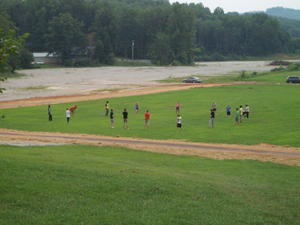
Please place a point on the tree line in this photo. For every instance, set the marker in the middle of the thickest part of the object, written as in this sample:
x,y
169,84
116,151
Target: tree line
x,y
89,32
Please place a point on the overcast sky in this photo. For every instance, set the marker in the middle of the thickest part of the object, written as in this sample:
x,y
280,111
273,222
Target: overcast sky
x,y
244,5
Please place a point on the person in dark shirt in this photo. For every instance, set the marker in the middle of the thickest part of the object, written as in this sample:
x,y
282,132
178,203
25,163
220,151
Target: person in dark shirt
x,y
49,113
212,118
228,110
112,121
125,119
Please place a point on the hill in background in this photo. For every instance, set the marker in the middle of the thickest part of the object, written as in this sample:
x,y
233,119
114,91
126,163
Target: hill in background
x,y
284,12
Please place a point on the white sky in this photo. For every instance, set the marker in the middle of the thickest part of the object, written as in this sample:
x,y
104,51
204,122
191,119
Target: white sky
x,y
244,5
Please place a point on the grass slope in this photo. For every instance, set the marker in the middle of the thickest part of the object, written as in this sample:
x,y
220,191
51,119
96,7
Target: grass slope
x,y
275,116
103,185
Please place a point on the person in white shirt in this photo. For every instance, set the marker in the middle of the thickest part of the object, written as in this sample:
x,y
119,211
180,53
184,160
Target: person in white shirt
x,y
247,111
68,115
179,121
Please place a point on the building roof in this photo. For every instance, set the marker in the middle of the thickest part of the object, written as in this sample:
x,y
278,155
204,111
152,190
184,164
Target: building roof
x,y
43,54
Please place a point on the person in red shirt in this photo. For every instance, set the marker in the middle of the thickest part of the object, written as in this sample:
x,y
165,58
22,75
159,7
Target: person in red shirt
x,y
147,118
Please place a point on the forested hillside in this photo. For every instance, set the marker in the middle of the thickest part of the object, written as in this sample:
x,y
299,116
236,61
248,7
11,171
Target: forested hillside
x,y
284,12
291,26
85,32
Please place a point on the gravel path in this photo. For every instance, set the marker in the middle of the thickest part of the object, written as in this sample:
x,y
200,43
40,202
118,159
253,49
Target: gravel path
x,y
278,154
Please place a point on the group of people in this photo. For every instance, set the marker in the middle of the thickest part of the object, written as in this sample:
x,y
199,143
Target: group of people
x,y
69,111
240,113
110,112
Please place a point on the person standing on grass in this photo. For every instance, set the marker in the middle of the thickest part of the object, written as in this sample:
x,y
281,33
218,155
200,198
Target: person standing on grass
x,y
212,118
177,107
68,114
112,119
241,113
147,118
228,110
137,108
125,119
237,116
179,121
247,111
49,113
106,106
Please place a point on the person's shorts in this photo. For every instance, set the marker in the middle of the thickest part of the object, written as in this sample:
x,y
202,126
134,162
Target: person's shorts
x,y
179,125
228,113
237,118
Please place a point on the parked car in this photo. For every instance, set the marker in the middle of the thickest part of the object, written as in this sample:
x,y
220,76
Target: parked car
x,y
293,79
192,80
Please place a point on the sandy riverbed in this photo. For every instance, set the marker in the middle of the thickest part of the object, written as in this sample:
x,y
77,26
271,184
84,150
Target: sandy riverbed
x,y
69,81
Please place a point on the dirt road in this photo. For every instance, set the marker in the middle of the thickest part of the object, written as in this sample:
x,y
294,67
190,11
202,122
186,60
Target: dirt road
x,y
106,94
264,152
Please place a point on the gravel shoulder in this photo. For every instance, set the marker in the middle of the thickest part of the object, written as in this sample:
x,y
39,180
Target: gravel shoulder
x,y
263,152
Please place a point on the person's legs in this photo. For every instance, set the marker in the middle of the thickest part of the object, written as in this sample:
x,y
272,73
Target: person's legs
x,y
125,124
112,123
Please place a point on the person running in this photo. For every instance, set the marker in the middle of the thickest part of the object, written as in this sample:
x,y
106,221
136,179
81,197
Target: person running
x,y
212,118
147,118
49,113
237,116
137,108
68,114
177,107
247,111
112,120
106,106
228,110
125,119
179,121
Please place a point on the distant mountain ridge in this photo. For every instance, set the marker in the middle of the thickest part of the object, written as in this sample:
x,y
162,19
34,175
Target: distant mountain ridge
x,y
284,12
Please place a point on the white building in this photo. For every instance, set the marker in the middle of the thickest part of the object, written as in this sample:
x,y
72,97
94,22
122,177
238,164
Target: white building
x,y
44,58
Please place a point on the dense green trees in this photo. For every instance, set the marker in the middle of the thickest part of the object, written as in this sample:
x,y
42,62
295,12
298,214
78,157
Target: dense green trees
x,y
65,38
101,30
11,46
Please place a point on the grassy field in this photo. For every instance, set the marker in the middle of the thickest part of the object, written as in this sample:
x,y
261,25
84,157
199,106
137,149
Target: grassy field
x,y
270,77
274,117
76,184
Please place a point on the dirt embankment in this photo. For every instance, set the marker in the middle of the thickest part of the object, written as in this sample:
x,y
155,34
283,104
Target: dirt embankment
x,y
263,152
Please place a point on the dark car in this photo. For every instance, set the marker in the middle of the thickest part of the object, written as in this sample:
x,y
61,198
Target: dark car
x,y
293,79
192,80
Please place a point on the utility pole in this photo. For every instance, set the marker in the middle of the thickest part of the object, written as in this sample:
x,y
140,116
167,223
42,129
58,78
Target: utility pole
x,y
132,49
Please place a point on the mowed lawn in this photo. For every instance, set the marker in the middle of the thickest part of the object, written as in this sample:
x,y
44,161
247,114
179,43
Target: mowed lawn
x,y
76,184
274,116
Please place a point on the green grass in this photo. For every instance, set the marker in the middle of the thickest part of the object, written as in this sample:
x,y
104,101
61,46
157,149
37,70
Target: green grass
x,y
270,77
104,185
41,87
11,75
274,117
